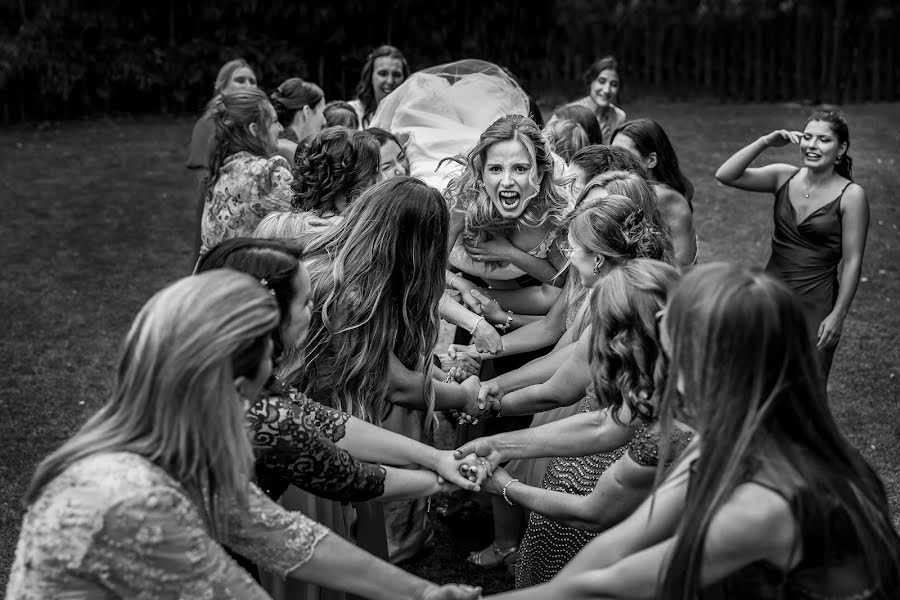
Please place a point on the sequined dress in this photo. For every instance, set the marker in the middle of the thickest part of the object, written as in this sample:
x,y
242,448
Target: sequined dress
x,y
548,545
115,525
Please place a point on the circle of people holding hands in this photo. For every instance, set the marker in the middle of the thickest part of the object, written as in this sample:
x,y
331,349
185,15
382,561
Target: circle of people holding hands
x,y
269,432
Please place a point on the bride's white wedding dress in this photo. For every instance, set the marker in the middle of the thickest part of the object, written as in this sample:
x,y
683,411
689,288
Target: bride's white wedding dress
x,y
442,111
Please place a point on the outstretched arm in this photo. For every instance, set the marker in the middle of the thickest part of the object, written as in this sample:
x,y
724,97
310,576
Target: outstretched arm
x,y
735,171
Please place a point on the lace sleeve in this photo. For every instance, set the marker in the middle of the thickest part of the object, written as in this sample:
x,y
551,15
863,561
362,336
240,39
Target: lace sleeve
x,y
155,546
276,539
329,421
290,449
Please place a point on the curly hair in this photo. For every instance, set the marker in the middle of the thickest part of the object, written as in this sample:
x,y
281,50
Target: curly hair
x,y
338,163
622,230
627,364
377,279
466,191
364,90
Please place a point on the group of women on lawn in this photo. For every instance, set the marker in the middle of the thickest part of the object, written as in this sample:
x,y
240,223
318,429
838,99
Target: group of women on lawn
x,y
270,429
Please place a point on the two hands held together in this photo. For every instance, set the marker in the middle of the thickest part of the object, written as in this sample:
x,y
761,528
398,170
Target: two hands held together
x,y
482,465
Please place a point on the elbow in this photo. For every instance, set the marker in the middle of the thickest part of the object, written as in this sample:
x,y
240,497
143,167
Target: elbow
x,y
721,177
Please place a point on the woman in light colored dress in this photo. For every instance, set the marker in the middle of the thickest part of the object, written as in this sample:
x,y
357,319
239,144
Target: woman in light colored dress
x,y
385,69
138,503
603,82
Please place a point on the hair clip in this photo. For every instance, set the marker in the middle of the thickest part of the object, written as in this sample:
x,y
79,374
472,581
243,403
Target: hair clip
x,y
265,284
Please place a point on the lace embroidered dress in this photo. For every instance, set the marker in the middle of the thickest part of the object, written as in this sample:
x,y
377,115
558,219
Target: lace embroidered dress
x,y
548,545
249,187
115,525
294,439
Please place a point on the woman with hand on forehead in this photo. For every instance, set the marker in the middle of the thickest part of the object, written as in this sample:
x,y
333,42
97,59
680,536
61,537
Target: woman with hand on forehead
x,y
821,218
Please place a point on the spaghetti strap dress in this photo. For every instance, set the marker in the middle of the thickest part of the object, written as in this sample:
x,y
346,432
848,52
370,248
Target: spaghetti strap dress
x,y
805,256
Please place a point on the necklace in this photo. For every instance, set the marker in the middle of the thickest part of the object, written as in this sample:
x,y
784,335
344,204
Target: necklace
x,y
810,189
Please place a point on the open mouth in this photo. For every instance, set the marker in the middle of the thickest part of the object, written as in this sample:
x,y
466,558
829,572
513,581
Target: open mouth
x,y
509,200
812,155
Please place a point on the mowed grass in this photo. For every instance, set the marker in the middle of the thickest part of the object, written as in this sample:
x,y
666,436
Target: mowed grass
x,y
98,215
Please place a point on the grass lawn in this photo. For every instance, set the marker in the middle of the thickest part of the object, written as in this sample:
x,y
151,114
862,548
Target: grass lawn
x,y
100,215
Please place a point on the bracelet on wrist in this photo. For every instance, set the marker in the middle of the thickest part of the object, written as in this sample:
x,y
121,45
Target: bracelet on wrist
x,y
504,327
452,280
475,326
505,497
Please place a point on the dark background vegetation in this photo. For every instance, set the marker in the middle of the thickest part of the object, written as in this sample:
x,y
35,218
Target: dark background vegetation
x,y
65,58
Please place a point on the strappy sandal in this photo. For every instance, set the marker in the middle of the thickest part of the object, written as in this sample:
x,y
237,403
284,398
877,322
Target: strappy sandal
x,y
502,558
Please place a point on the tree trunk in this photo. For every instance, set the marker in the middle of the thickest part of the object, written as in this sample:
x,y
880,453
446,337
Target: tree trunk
x,y
837,49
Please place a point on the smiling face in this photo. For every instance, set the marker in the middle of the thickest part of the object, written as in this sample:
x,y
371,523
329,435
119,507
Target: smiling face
x,y
294,331
508,174
387,74
819,145
605,88
394,162
241,79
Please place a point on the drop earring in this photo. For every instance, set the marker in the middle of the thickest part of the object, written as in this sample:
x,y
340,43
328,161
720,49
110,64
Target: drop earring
x,y
598,265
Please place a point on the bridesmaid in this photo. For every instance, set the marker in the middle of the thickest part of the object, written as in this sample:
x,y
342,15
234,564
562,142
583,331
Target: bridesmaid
x,y
603,84
821,217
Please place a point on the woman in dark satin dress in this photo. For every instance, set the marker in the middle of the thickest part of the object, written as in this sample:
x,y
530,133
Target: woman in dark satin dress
x,y
821,217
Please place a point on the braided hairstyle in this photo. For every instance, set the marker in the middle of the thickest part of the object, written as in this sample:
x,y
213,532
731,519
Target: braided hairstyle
x,y
338,163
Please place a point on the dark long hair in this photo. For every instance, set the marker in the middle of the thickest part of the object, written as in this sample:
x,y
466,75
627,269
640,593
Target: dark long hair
x,y
599,159
274,261
364,90
844,164
752,389
600,65
232,115
648,137
377,279
338,162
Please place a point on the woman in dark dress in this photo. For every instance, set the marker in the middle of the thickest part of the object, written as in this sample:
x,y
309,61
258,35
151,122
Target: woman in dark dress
x,y
821,217
771,500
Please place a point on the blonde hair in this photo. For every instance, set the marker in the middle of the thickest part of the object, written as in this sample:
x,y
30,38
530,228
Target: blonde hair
x,y
466,192
174,400
566,137
286,224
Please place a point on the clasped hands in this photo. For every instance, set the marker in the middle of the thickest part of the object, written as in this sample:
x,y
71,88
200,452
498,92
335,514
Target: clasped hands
x,y
482,465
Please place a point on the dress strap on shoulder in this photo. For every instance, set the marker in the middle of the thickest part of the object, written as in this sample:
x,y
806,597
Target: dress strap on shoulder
x,y
784,185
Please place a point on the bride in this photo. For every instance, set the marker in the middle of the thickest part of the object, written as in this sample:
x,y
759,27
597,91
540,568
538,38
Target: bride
x,y
505,206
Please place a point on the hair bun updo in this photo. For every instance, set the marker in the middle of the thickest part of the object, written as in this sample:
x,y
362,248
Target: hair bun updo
x,y
642,239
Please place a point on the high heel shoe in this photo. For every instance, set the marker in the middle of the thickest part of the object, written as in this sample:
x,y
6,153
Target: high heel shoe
x,y
500,557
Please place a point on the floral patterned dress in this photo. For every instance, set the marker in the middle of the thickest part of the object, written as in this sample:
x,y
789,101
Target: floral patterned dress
x,y
115,525
247,189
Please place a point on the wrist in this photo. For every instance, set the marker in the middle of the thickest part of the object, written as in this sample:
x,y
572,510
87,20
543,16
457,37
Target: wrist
x,y
430,460
763,141
423,589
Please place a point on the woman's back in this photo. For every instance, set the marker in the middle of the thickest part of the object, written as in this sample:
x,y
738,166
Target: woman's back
x,y
114,525
831,560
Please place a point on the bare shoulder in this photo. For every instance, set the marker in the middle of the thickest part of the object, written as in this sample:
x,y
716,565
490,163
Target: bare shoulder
x,y
854,195
757,518
671,201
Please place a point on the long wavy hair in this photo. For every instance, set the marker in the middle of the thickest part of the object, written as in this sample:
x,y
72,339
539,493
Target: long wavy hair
x,y
232,115
649,137
364,90
466,191
598,159
174,400
377,278
752,390
338,163
223,77
844,164
627,364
